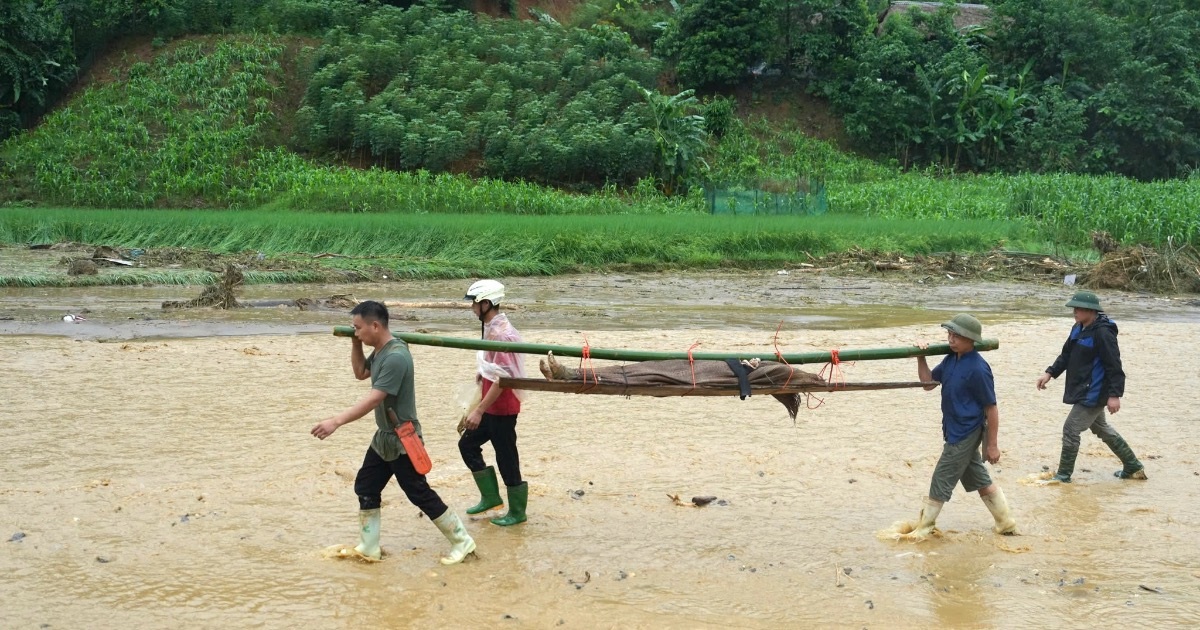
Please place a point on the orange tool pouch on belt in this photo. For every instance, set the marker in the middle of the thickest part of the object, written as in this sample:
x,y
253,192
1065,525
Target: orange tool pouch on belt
x,y
412,444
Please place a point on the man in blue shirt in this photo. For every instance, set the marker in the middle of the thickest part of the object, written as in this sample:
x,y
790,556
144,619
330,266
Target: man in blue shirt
x,y
970,419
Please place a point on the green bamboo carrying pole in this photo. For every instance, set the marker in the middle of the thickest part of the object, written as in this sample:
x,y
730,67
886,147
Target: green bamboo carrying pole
x,y
796,358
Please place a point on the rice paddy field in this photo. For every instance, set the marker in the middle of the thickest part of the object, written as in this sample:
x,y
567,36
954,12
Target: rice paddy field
x,y
448,245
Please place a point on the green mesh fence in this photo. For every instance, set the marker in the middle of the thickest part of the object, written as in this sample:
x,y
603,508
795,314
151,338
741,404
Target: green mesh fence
x,y
738,200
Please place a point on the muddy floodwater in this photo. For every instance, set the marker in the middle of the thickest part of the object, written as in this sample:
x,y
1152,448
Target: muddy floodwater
x,y
158,470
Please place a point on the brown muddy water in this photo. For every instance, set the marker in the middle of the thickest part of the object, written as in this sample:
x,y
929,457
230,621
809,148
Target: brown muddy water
x,y
158,472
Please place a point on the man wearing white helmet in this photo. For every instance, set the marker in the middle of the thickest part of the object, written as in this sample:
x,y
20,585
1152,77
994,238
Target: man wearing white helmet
x,y
494,418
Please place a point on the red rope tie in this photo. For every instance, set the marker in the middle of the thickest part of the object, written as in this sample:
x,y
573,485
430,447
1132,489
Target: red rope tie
x,y
692,365
836,377
585,363
779,355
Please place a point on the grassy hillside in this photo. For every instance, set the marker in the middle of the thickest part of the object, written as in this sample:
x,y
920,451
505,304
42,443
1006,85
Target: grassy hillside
x,y
207,122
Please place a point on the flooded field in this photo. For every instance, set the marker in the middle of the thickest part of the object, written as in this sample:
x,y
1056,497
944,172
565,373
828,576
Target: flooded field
x,y
158,469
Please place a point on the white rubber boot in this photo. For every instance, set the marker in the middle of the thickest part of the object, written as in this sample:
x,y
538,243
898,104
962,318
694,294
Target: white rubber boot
x,y
923,528
461,543
369,534
998,506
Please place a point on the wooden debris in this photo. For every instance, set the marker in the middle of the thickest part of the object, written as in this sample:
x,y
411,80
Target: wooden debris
x,y
217,295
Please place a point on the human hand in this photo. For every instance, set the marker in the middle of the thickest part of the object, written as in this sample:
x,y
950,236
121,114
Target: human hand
x,y
325,428
471,422
924,345
993,454
1114,404
1042,380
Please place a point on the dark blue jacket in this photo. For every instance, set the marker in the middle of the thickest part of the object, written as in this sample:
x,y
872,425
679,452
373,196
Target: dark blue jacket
x,y
1092,361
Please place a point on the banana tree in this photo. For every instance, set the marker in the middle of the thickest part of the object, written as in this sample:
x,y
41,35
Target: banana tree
x,y
679,136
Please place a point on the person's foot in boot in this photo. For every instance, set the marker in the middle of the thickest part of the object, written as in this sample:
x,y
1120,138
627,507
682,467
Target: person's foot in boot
x,y
924,527
1066,465
1140,473
369,530
518,498
461,543
998,506
1133,469
489,491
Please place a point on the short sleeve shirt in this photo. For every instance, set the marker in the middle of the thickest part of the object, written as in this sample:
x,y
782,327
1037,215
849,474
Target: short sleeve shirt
x,y
967,389
392,373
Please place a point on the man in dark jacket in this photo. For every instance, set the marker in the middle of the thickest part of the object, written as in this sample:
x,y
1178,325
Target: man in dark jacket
x,y
1095,381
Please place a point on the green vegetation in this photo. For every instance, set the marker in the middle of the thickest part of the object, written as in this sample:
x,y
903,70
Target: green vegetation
x,y
125,278
189,129
43,44
187,126
714,41
194,127
1063,209
466,245
1033,129
423,89
1091,86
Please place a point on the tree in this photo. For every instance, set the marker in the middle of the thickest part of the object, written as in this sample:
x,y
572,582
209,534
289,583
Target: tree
x,y
35,59
714,42
679,136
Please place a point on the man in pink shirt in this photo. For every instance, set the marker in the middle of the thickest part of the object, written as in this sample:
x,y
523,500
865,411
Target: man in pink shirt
x,y
494,419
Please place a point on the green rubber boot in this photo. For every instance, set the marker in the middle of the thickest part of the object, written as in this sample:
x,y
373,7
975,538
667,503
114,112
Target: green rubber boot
x,y
489,491
1066,464
518,497
1133,469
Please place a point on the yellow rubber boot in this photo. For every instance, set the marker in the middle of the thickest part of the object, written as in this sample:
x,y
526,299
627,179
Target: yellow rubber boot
x,y
921,529
998,506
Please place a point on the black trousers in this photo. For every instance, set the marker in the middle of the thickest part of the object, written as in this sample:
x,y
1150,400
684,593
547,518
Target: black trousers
x,y
375,473
501,431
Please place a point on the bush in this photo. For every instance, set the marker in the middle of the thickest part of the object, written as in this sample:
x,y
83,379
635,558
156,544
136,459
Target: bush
x,y
715,42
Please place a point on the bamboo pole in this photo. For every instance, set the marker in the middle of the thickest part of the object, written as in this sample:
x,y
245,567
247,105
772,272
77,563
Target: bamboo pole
x,y
795,358
621,389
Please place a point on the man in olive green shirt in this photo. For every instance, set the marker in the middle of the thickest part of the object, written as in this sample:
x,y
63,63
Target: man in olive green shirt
x,y
390,368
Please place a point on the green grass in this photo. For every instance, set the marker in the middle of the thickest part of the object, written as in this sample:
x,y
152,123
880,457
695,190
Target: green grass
x,y
466,245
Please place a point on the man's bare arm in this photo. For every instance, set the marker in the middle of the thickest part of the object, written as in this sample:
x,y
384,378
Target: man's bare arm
x,y
359,409
991,444
923,372
358,362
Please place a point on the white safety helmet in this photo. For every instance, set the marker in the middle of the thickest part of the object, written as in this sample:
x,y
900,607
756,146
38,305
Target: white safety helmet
x,y
489,290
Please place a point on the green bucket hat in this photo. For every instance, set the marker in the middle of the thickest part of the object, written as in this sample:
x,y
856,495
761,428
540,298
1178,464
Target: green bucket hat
x,y
1085,299
964,325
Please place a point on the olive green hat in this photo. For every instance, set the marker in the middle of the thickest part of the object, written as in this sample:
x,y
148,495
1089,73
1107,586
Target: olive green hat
x,y
964,325
1085,299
